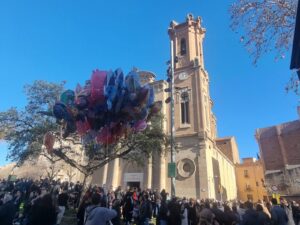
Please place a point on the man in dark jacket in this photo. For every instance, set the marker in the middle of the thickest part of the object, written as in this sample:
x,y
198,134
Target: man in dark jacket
x,y
145,210
263,218
7,210
220,216
162,216
174,212
62,204
128,207
251,216
278,214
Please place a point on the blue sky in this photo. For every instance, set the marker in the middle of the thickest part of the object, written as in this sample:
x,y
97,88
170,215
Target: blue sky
x,y
65,40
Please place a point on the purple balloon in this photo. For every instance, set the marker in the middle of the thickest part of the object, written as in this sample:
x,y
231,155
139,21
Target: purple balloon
x,y
140,126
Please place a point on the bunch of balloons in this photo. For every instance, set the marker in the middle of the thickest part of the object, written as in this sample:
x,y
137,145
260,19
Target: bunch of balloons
x,y
108,107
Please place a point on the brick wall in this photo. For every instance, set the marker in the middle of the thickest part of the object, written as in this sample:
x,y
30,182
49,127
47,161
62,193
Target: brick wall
x,y
280,145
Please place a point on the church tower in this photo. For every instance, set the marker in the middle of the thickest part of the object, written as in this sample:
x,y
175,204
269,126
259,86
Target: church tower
x,y
192,99
201,166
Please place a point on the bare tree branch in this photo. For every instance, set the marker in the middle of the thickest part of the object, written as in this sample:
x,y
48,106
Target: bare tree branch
x,y
264,25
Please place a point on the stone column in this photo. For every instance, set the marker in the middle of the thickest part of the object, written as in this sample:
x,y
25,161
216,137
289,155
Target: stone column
x,y
104,177
149,173
162,176
115,180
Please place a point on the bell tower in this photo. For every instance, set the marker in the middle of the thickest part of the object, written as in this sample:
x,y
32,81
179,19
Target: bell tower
x,y
193,104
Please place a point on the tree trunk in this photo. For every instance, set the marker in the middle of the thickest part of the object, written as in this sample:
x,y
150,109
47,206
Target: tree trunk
x,y
84,188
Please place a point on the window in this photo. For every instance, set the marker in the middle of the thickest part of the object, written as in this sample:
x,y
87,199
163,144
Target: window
x,y
248,187
245,173
185,118
250,197
182,47
257,184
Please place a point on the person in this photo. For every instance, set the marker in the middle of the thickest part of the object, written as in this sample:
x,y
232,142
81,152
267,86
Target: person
x,y
7,210
296,212
43,211
231,216
162,215
174,212
263,218
116,205
184,212
288,210
236,213
193,212
97,215
145,210
128,207
251,216
206,215
62,202
86,201
278,215
220,216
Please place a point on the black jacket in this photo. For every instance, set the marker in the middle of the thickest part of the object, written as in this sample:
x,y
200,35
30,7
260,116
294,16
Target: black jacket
x,y
250,217
7,213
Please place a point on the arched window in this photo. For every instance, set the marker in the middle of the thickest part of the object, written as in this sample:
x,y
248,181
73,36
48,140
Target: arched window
x,y
185,117
182,46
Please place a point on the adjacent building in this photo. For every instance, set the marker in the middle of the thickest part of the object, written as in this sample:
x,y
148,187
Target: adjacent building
x,y
250,180
280,153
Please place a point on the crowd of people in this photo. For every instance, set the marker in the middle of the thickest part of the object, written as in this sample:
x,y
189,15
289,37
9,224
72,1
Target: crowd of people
x,y
44,202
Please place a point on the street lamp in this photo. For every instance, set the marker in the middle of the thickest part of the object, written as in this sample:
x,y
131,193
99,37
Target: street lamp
x,y
171,85
170,99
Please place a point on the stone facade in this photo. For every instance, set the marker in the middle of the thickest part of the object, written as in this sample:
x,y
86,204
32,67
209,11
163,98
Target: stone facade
x,y
280,152
250,180
203,170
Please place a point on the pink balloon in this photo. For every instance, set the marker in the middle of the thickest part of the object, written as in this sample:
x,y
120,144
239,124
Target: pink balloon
x,y
49,141
82,127
105,136
97,86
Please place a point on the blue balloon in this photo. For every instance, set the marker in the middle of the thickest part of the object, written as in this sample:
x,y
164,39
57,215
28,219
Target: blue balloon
x,y
60,111
110,90
119,79
132,82
126,102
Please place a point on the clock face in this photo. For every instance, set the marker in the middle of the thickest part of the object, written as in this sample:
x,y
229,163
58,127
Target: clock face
x,y
183,76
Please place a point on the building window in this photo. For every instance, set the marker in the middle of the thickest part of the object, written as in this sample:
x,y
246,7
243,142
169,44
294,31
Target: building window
x,y
257,184
250,197
182,46
185,117
248,187
245,173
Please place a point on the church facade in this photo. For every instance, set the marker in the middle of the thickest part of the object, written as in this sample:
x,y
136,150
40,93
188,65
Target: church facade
x,y
205,163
